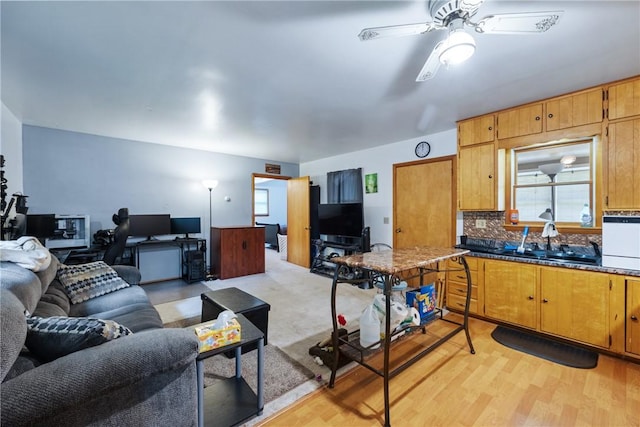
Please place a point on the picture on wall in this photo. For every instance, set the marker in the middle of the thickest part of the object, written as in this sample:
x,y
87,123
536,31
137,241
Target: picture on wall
x,y
371,183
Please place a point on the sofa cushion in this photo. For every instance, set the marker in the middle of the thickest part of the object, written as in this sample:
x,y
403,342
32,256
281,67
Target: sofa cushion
x,y
86,281
54,302
49,338
131,295
13,332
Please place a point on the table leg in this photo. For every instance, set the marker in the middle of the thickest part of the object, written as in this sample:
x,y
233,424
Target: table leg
x,y
260,376
200,381
238,362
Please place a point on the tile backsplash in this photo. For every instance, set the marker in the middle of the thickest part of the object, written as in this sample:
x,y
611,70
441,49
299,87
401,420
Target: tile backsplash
x,y
495,230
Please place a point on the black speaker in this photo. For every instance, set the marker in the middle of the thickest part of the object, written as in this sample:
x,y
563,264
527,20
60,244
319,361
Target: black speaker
x,y
366,239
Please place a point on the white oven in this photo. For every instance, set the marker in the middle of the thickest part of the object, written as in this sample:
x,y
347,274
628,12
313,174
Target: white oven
x,y
621,242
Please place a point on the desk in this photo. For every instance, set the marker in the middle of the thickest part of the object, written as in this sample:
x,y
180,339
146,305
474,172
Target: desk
x,y
190,253
391,266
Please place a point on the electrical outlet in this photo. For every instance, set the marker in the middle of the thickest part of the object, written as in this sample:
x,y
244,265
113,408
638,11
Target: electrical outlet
x,y
385,220
481,223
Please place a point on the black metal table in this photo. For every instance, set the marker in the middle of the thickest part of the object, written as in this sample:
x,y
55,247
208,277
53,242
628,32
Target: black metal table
x,y
231,401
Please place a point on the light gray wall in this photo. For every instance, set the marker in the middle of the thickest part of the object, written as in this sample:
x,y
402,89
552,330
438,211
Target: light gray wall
x,y
380,160
11,148
70,172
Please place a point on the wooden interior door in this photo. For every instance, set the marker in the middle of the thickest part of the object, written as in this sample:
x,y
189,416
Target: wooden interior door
x,y
424,203
298,222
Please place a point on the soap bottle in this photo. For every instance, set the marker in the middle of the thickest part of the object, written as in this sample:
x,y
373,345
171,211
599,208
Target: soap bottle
x,y
585,216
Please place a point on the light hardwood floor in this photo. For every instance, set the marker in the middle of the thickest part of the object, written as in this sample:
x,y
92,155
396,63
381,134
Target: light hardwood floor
x,y
497,386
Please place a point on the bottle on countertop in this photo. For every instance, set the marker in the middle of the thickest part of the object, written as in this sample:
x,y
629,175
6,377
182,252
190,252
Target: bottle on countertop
x,y
585,216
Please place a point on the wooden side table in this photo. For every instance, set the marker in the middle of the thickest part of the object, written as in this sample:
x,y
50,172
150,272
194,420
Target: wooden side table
x,y
231,401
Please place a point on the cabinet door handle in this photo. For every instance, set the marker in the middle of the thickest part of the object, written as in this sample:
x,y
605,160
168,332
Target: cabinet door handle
x,y
244,244
530,297
545,300
634,317
550,115
490,127
398,230
490,176
537,118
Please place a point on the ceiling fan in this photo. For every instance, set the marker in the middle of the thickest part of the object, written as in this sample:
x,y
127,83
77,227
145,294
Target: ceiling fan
x,y
454,15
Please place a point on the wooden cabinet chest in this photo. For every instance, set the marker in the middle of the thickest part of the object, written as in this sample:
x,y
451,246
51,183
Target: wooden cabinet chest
x,y
237,251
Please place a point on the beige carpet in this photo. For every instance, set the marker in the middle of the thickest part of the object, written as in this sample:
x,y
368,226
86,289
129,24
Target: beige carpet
x,y
300,314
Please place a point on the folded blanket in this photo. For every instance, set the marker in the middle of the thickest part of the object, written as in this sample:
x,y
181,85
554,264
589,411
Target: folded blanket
x,y
27,252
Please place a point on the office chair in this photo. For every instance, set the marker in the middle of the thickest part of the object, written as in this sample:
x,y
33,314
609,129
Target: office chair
x,y
116,249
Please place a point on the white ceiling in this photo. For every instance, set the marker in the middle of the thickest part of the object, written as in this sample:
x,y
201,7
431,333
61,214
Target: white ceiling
x,y
288,81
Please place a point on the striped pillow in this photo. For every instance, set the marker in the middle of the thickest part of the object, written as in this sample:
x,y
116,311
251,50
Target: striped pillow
x,y
85,281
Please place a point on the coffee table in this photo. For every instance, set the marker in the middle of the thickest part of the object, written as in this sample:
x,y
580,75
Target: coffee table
x,y
231,401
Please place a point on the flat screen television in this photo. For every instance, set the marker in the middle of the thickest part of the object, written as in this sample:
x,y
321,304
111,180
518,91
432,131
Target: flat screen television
x,y
341,219
185,226
149,225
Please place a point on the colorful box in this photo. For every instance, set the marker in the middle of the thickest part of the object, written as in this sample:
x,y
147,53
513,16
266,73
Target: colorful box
x,y
423,300
210,337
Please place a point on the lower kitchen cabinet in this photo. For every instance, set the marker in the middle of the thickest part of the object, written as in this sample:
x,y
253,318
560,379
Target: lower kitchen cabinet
x,y
457,285
575,304
633,316
510,292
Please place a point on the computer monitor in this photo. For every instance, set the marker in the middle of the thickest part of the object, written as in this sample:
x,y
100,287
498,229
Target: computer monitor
x,y
41,226
149,225
185,226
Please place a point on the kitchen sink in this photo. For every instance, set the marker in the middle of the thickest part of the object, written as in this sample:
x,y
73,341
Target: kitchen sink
x,y
560,257
554,256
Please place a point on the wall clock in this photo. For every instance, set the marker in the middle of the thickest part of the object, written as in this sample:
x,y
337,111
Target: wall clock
x,y
423,149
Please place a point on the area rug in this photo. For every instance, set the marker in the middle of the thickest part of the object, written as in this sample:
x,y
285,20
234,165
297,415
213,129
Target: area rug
x,y
564,354
281,373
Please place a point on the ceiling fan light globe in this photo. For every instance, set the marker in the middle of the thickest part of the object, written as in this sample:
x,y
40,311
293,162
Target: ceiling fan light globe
x,y
459,47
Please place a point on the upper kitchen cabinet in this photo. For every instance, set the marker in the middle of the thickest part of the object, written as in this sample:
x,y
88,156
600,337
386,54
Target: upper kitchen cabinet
x,y
574,110
622,166
477,131
520,121
624,99
477,177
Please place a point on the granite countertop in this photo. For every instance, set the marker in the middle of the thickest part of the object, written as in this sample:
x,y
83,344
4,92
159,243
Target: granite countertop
x,y
563,264
394,261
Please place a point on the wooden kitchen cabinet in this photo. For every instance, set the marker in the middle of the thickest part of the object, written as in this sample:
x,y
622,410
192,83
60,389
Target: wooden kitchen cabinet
x,y
622,166
237,251
510,292
633,316
520,121
457,285
477,173
477,130
574,110
624,99
575,304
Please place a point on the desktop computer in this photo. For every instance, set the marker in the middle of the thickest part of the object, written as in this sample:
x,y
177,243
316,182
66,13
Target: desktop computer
x,y
69,231
194,266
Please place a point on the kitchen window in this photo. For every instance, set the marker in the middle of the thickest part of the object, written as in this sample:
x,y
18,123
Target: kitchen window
x,y
555,176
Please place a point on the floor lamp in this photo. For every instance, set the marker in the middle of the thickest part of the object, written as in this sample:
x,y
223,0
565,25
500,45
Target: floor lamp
x,y
210,184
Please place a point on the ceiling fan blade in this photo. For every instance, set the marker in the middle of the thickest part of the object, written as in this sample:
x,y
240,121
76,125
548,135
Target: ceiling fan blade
x,y
518,23
397,31
430,67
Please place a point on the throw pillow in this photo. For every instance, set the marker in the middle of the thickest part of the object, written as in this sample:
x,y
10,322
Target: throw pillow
x,y
85,281
49,338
